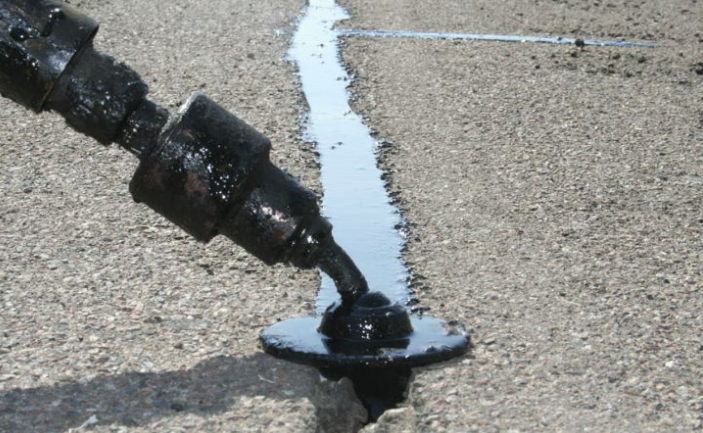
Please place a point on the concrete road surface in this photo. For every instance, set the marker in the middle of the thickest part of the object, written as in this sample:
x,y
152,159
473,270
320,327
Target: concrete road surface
x,y
113,319
553,196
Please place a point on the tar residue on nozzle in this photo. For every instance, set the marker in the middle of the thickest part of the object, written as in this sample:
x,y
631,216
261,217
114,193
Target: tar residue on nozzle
x,y
302,340
55,15
335,262
96,94
19,34
38,40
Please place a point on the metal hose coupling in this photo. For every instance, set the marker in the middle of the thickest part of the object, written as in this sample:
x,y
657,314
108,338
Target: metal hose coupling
x,y
38,39
210,174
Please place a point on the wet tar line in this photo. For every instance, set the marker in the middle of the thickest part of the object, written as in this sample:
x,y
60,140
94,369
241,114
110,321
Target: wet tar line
x,y
355,199
497,38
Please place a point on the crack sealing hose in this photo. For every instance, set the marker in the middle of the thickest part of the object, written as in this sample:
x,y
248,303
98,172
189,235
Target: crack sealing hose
x,y
203,168
209,172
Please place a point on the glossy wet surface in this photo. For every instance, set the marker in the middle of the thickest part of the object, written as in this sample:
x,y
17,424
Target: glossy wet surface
x,y
355,199
365,225
298,340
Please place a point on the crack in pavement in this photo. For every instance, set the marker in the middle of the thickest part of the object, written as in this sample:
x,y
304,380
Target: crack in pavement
x,y
496,38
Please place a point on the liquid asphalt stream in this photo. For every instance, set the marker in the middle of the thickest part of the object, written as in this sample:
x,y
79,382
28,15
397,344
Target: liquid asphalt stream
x,y
355,200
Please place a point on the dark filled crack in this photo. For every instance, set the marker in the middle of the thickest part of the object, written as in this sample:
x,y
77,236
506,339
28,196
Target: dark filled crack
x,y
378,390
356,200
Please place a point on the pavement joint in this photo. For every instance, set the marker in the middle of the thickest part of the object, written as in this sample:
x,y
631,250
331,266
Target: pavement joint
x,y
496,38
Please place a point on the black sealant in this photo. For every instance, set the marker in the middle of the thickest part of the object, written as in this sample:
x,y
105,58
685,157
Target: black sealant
x,y
355,199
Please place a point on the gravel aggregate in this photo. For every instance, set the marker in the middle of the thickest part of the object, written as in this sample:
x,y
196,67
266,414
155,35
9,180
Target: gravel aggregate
x,y
113,319
553,204
553,200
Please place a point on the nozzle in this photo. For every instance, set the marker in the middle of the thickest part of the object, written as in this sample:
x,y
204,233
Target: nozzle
x,y
210,173
350,282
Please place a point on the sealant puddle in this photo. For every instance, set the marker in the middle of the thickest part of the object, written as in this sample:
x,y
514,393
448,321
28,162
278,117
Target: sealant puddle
x,y
488,37
355,199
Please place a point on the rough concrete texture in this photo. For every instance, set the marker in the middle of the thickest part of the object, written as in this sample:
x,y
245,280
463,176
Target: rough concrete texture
x,y
222,393
113,319
401,420
553,198
673,20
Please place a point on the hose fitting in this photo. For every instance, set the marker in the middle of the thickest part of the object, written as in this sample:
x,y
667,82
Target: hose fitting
x,y
38,40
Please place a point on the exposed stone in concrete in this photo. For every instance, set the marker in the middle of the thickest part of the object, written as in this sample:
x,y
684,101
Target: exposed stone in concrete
x,y
401,420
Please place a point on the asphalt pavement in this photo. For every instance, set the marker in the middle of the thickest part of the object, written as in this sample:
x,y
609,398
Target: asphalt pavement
x,y
112,318
553,204
553,198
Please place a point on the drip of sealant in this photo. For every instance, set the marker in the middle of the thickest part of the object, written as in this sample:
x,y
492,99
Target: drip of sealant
x,y
355,200
499,38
